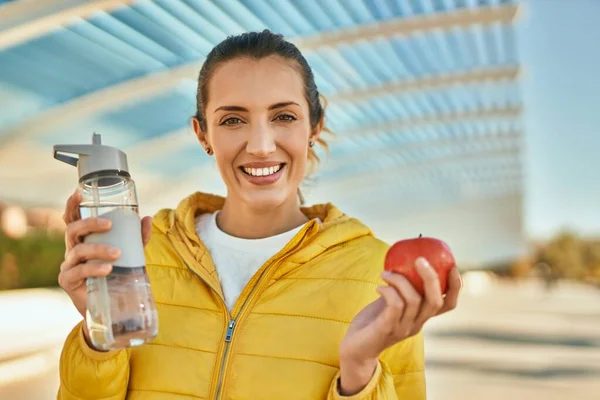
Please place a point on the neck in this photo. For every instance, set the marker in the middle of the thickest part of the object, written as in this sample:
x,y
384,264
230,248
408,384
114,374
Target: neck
x,y
239,220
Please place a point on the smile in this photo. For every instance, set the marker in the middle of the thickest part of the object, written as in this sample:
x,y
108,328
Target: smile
x,y
263,174
266,171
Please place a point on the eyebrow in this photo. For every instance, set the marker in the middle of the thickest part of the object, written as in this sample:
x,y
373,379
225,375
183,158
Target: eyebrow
x,y
283,104
271,107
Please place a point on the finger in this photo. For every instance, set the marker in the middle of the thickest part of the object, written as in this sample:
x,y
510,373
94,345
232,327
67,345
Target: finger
x,y
394,307
146,229
73,277
83,227
84,252
72,208
412,299
433,301
454,287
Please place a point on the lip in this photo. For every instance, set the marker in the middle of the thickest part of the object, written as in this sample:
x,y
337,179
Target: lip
x,y
264,180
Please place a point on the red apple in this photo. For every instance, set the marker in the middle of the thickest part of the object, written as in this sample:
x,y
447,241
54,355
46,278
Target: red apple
x,y
401,257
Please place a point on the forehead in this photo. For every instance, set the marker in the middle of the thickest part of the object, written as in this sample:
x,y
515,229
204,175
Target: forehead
x,y
255,83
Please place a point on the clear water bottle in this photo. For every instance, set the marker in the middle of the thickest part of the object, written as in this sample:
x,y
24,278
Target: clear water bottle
x,y
120,307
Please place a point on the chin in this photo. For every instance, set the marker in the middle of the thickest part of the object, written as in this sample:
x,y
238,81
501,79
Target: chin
x,y
265,200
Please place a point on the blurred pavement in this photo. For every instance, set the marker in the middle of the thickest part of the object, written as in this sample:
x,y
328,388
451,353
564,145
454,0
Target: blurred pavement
x,y
35,323
516,341
506,341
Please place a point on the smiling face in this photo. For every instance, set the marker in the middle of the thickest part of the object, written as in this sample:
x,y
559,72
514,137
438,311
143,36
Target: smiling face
x,y
258,128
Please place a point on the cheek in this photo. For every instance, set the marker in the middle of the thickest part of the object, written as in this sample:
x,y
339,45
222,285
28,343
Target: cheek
x,y
222,162
298,151
295,141
225,153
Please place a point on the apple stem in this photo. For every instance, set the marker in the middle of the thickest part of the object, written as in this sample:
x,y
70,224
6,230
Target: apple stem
x,y
420,234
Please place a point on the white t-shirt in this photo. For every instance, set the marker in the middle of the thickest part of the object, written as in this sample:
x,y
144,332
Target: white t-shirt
x,y
236,259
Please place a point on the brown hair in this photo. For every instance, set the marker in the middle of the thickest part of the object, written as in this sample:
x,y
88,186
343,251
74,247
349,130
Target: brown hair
x,y
259,45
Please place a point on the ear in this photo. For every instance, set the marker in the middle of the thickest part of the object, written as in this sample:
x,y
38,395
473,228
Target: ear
x,y
316,133
200,134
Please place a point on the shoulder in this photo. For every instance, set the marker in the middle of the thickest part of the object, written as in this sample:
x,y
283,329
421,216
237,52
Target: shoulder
x,y
364,249
158,249
369,244
368,250
359,259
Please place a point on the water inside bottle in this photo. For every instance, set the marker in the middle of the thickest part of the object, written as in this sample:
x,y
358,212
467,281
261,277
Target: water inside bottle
x,y
88,211
121,310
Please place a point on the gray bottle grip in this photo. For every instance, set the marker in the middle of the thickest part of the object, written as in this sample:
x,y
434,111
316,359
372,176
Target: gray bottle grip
x,y
125,234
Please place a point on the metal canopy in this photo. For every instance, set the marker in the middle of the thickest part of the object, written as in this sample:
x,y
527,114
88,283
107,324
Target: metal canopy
x,y
423,94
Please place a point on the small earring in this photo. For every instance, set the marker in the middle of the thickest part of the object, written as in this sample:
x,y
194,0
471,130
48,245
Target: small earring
x,y
311,144
208,151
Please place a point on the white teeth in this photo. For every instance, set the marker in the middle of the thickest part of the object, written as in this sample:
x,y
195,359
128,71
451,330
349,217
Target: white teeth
x,y
262,171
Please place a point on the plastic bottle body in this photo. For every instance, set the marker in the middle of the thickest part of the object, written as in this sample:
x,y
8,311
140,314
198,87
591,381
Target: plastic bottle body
x,y
121,311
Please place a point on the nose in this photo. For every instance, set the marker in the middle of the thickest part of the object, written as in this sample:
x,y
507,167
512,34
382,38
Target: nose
x,y
261,140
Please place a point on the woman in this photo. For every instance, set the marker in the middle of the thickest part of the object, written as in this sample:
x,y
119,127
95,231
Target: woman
x,y
258,298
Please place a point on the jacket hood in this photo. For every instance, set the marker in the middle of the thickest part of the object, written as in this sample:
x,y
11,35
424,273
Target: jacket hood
x,y
336,227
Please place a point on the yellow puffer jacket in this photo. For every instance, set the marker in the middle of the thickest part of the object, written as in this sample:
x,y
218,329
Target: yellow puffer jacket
x,y
282,338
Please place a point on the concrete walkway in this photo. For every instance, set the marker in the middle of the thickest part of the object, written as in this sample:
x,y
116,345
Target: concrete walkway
x,y
506,341
516,341
35,325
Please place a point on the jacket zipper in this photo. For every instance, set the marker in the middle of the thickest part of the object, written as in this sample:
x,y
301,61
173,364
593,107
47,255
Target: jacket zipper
x,y
229,334
231,322
231,327
229,331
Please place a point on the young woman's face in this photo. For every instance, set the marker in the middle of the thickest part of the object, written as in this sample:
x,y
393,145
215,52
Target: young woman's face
x,y
258,128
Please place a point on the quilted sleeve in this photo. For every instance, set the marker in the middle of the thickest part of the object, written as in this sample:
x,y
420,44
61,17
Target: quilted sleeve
x,y
89,374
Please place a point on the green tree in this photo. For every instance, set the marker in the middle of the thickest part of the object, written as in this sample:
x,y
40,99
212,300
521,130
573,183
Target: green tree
x,y
32,261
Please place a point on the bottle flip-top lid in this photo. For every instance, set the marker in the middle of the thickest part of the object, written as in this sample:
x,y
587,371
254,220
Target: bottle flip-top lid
x,y
92,158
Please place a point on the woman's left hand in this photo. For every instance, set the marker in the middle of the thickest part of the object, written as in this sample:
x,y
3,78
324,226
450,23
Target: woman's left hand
x,y
398,314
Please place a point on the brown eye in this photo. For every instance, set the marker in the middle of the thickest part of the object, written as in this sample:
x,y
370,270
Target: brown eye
x,y
285,117
231,121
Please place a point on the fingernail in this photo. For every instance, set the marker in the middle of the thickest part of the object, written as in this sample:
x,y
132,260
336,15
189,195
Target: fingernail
x,y
104,222
105,267
422,263
115,252
386,274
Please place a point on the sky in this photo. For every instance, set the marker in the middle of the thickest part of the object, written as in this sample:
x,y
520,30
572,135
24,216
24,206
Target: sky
x,y
560,54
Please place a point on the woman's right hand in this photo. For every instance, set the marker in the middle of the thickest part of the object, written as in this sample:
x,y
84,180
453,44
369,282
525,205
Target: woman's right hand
x,y
76,269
